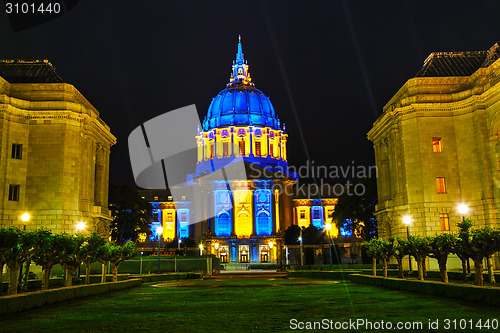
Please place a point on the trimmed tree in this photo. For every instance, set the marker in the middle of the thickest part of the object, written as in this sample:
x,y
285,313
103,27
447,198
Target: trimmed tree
x,y
71,256
15,248
462,244
48,250
380,249
420,248
441,246
118,254
483,243
400,250
91,252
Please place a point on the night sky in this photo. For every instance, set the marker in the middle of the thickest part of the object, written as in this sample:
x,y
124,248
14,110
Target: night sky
x,y
329,67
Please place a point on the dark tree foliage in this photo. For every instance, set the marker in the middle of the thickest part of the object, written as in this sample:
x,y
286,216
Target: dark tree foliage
x,y
310,235
354,213
131,214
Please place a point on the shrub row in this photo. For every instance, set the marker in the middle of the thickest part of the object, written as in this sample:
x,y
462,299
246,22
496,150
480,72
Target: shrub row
x,y
326,275
167,277
337,267
476,294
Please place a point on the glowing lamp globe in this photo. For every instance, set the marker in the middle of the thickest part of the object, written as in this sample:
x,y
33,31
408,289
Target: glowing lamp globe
x,y
159,230
271,244
407,219
25,217
216,245
463,209
80,226
328,226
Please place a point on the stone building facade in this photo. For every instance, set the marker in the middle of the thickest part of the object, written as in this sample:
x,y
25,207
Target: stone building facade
x,y
55,150
437,145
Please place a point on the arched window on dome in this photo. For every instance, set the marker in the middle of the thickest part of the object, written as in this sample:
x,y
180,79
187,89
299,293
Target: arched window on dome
x,y
258,149
242,147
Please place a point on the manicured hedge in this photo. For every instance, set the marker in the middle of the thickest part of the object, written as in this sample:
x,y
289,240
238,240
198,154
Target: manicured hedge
x,y
476,294
22,302
337,267
167,277
335,275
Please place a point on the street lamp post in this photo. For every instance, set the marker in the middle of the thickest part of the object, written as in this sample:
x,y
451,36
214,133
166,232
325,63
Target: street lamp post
x,y
25,218
463,209
159,231
201,249
271,245
79,227
407,221
301,249
328,227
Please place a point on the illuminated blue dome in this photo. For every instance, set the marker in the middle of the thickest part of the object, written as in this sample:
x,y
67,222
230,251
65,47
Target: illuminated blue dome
x,y
241,106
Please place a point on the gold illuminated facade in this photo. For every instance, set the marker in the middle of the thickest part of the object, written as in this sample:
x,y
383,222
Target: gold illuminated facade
x,y
437,145
54,152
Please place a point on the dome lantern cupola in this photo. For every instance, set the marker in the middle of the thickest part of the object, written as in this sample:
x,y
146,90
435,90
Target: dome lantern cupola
x,y
240,75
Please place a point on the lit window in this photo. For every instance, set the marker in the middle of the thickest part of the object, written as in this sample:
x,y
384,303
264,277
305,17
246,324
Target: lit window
x,y
445,222
302,215
225,149
14,192
155,198
242,148
169,198
441,184
316,214
257,148
17,151
170,217
212,149
183,197
437,146
271,150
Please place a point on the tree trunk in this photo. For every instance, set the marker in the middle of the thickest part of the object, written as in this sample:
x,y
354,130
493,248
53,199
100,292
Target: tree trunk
x,y
374,267
103,272
491,272
401,272
384,261
13,279
424,267
115,272
464,269
442,268
478,272
1,276
87,273
420,268
69,273
46,277
26,275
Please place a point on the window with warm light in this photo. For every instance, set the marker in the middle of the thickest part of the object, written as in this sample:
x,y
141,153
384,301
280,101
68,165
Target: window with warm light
x,y
271,150
212,149
242,147
445,221
441,184
302,215
14,192
437,145
257,148
225,149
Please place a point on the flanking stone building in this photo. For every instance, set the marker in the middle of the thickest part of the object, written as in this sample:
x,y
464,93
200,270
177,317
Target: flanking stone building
x,y
54,148
437,145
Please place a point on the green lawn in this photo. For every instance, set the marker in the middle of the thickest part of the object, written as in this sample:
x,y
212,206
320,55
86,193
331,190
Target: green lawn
x,y
265,305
